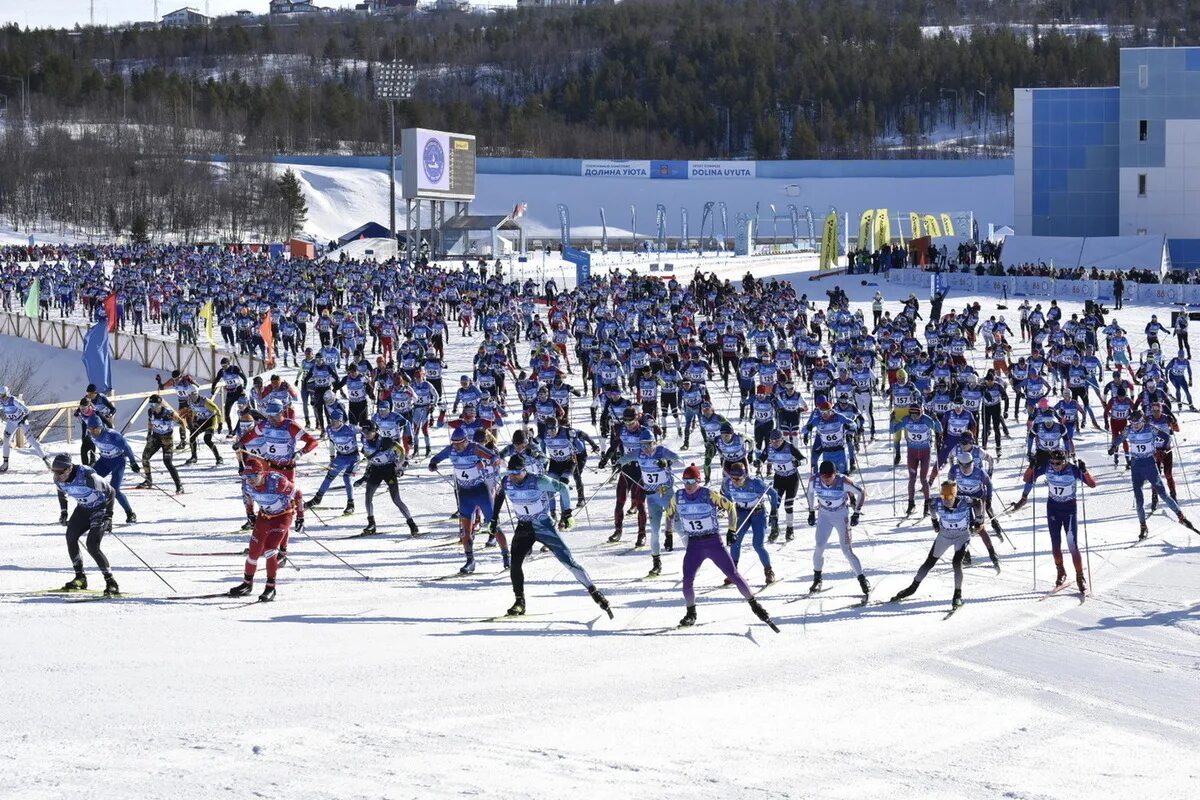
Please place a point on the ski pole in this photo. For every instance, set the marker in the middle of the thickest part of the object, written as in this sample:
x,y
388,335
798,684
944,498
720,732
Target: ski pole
x,y
335,555
139,558
1086,549
1183,471
168,494
1034,540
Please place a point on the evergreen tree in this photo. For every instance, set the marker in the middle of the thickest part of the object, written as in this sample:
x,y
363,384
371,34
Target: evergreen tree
x,y
139,230
294,206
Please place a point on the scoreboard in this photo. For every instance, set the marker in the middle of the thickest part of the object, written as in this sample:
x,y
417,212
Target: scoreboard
x,y
437,165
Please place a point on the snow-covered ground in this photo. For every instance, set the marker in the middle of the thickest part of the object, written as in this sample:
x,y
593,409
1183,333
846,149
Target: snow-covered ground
x,y
398,687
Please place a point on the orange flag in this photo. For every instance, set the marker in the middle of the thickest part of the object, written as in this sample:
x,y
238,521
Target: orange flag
x,y
268,338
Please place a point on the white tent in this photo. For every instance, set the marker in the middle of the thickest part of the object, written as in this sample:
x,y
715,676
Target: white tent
x,y
1101,252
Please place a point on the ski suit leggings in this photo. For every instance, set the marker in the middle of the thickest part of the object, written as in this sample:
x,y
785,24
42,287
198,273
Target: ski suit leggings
x,y
153,445
270,536
343,467
114,470
940,545
205,429
541,530
992,422
630,485
827,523
786,486
657,505
374,480
709,548
95,522
918,466
1062,518
10,429
1181,389
757,523
1146,471
1166,461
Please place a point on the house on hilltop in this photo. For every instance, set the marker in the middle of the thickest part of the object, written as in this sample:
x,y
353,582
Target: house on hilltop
x,y
185,17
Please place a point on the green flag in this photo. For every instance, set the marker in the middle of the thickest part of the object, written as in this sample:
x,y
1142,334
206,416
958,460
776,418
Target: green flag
x,y
34,300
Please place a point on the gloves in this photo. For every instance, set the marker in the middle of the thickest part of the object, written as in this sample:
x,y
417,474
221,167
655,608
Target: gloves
x,y
565,518
299,526
1112,451
937,526
433,467
853,519
595,449
603,463
1017,506
774,526
729,537
136,467
663,463
812,517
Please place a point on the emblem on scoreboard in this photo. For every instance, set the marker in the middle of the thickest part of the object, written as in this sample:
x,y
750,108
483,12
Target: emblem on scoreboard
x,y
433,160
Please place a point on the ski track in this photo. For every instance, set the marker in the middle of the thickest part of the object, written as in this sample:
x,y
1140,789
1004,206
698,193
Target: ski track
x,y
397,687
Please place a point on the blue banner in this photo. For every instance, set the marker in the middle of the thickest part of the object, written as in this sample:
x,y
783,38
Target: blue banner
x,y
564,224
97,361
582,262
669,170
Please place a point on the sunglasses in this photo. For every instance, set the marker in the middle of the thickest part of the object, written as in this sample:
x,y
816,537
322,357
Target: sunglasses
x,y
690,481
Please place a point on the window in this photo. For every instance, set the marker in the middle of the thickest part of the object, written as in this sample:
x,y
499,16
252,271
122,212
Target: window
x,y
1143,76
1142,185
1143,129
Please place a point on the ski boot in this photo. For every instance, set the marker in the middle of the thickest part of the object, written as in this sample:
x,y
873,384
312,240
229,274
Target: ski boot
x,y
925,508
656,567
966,561
242,589
369,530
248,525
761,613
179,489
995,562
865,585
492,530
789,534
1185,522
505,559
1081,583
773,535
669,543
349,509
616,537
76,584
1153,503
911,506
469,567
268,594
997,531
601,601
4,466
896,460
517,609
110,587
1060,580
130,518
190,461
956,600
906,592
769,575
315,501
1143,533
817,583
641,540
413,530
220,461
62,518
689,618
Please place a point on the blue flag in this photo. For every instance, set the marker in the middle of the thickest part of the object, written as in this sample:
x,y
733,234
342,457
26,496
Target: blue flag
x,y
96,359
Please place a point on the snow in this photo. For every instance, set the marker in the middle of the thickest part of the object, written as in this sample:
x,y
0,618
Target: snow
x,y
395,687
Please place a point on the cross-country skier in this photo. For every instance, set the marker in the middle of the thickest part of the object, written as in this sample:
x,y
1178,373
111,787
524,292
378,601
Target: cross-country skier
x,y
697,508
919,430
343,457
833,495
93,515
161,421
277,500
527,499
748,495
113,453
469,461
954,520
1141,440
1062,513
16,415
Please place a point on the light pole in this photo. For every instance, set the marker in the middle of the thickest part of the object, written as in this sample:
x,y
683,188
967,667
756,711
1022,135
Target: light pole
x,y
394,81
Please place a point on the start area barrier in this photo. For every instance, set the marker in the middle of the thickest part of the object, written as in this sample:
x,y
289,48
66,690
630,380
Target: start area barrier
x,y
1158,294
199,361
